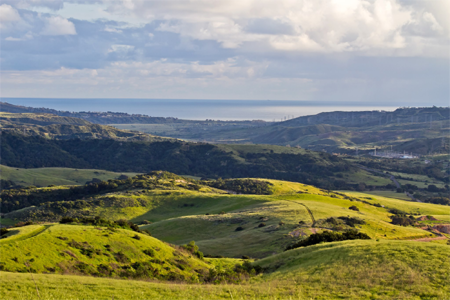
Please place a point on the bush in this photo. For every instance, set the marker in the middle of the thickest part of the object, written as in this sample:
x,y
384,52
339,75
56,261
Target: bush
x,y
243,186
262,225
66,220
149,252
354,208
329,236
240,228
402,220
352,221
21,224
3,231
193,248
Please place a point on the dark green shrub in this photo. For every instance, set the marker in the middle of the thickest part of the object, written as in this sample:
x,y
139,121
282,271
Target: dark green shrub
x,y
240,228
262,225
3,231
66,220
354,208
350,221
149,252
122,258
193,248
329,236
21,224
402,220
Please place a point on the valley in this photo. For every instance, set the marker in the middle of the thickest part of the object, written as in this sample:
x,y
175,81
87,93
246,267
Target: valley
x,y
101,212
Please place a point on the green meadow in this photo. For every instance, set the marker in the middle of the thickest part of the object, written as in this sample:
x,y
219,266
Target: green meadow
x,y
56,176
94,262
341,270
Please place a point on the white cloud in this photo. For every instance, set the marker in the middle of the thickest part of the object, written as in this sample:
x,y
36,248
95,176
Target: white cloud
x,y
26,4
8,16
236,49
364,26
159,79
56,25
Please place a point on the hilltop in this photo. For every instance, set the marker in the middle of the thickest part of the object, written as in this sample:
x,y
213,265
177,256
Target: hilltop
x,y
41,177
100,251
61,127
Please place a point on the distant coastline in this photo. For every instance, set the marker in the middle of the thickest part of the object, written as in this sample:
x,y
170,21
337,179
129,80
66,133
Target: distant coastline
x,y
267,110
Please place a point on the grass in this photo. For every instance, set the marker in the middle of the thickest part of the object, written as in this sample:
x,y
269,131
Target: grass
x,y
56,176
341,270
77,249
365,270
389,194
407,206
362,176
385,267
253,225
52,287
21,233
217,234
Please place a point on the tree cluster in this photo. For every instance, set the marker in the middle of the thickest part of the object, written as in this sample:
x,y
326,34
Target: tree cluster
x,y
329,236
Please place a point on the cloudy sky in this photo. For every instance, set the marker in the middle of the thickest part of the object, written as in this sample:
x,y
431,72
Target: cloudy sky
x,y
381,51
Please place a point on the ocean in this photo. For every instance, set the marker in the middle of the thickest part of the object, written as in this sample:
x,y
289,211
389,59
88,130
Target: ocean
x,y
267,110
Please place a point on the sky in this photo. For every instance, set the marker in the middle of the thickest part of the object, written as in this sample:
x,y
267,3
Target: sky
x,y
376,51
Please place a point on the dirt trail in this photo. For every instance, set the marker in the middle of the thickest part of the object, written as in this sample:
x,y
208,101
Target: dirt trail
x,y
29,235
310,214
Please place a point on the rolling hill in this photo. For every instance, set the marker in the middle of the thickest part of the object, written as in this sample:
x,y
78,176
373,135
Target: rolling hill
x,y
59,127
223,223
41,177
178,210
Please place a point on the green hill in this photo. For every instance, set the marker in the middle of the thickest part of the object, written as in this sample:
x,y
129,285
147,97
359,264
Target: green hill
x,y
364,270
221,222
197,159
343,270
99,251
56,176
178,210
63,127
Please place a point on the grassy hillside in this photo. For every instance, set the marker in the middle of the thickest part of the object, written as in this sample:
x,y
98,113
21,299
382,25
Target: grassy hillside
x,y
56,176
180,210
99,251
364,270
343,270
63,127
